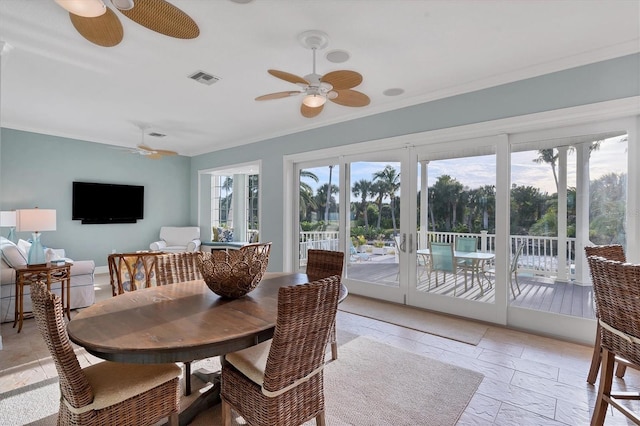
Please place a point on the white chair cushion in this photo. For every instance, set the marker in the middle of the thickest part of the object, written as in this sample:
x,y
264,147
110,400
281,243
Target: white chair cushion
x,y
251,361
114,382
11,254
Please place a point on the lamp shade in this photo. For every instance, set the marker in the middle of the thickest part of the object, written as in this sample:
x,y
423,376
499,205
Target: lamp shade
x,y
314,100
35,220
8,218
84,8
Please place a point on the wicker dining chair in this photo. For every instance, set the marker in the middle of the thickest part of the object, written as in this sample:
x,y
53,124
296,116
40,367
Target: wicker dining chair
x,y
281,381
610,252
132,271
177,267
616,288
323,264
107,392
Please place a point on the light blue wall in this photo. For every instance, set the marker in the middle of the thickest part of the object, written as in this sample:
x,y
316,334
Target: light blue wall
x,y
614,79
38,170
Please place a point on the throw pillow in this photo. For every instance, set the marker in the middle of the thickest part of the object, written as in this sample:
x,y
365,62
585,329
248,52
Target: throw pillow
x,y
216,234
24,246
11,254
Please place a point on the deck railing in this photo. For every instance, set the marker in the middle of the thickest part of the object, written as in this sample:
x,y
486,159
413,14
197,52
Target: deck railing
x,y
539,254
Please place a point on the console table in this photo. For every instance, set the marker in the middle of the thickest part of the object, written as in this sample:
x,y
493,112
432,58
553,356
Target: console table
x,y
47,273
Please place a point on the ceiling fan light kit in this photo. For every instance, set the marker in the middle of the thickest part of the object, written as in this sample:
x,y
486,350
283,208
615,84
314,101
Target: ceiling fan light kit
x,y
123,4
335,86
84,8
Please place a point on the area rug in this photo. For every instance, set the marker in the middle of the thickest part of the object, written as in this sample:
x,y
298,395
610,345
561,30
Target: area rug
x,y
370,383
415,318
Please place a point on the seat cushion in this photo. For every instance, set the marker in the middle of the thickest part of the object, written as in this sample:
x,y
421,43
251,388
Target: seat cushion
x,y
251,361
114,382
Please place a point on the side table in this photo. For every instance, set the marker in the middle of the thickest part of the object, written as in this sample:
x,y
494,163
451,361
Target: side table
x,y
47,273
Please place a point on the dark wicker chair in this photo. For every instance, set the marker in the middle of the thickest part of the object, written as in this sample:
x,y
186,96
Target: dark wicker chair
x,y
287,389
616,288
107,392
323,264
177,267
610,252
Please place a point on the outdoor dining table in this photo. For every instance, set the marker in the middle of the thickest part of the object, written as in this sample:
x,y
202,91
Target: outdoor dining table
x,y
478,258
181,322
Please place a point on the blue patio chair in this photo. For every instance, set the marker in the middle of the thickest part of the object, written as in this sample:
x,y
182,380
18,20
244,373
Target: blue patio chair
x,y
442,259
467,245
355,256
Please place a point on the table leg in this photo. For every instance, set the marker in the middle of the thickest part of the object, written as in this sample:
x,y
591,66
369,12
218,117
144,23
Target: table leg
x,y
206,400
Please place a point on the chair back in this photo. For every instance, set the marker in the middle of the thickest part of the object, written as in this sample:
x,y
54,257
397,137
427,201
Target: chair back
x,y
49,315
516,257
467,244
178,267
324,263
442,258
610,252
306,314
616,287
132,271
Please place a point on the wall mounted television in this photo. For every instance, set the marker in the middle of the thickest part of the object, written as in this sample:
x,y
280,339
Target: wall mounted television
x,y
96,203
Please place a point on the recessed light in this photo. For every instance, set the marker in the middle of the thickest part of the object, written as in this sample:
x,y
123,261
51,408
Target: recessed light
x,y
393,92
338,56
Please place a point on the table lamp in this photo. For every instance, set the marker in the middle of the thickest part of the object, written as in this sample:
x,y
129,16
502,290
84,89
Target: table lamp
x,y
36,220
8,220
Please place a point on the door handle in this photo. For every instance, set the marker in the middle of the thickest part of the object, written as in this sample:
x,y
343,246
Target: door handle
x,y
403,244
410,243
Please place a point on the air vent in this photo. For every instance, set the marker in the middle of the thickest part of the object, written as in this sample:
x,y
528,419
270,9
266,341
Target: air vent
x,y
204,78
157,135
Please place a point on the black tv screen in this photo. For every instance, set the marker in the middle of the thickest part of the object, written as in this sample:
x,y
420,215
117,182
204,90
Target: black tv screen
x,y
107,203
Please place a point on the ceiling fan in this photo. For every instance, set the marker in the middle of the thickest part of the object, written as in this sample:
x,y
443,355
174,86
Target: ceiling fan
x,y
335,86
147,151
100,25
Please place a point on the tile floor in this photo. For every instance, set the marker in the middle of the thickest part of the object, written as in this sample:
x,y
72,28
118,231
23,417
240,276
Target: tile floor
x,y
529,380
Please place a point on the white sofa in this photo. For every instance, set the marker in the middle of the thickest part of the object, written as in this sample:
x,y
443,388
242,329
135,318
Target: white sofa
x,y
176,239
82,280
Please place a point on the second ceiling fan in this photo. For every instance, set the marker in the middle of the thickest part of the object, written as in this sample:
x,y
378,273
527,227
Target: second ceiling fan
x,y
336,86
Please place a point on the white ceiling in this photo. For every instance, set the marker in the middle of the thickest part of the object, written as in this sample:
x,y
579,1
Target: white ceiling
x,y
55,82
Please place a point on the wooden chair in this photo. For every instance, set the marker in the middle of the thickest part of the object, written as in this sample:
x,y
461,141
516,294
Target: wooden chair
x,y
281,381
442,259
132,271
107,392
323,264
617,291
178,267
610,252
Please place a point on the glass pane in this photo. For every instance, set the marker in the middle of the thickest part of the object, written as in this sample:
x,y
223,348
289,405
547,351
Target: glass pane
x,y
374,222
460,213
547,273
319,210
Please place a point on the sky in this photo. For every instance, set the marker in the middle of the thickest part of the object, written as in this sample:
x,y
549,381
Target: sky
x,y
474,172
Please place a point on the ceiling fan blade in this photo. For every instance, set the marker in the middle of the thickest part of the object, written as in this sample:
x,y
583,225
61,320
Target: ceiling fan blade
x,y
351,98
165,152
341,80
105,30
278,95
310,112
145,148
163,17
291,78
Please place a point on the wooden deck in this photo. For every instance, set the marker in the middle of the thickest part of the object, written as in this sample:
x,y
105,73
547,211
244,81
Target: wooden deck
x,y
538,293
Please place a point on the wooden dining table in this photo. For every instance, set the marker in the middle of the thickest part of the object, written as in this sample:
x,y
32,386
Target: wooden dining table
x,y
181,322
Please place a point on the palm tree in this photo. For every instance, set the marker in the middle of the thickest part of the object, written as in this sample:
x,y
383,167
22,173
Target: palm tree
x,y
549,156
378,190
362,188
391,179
306,193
